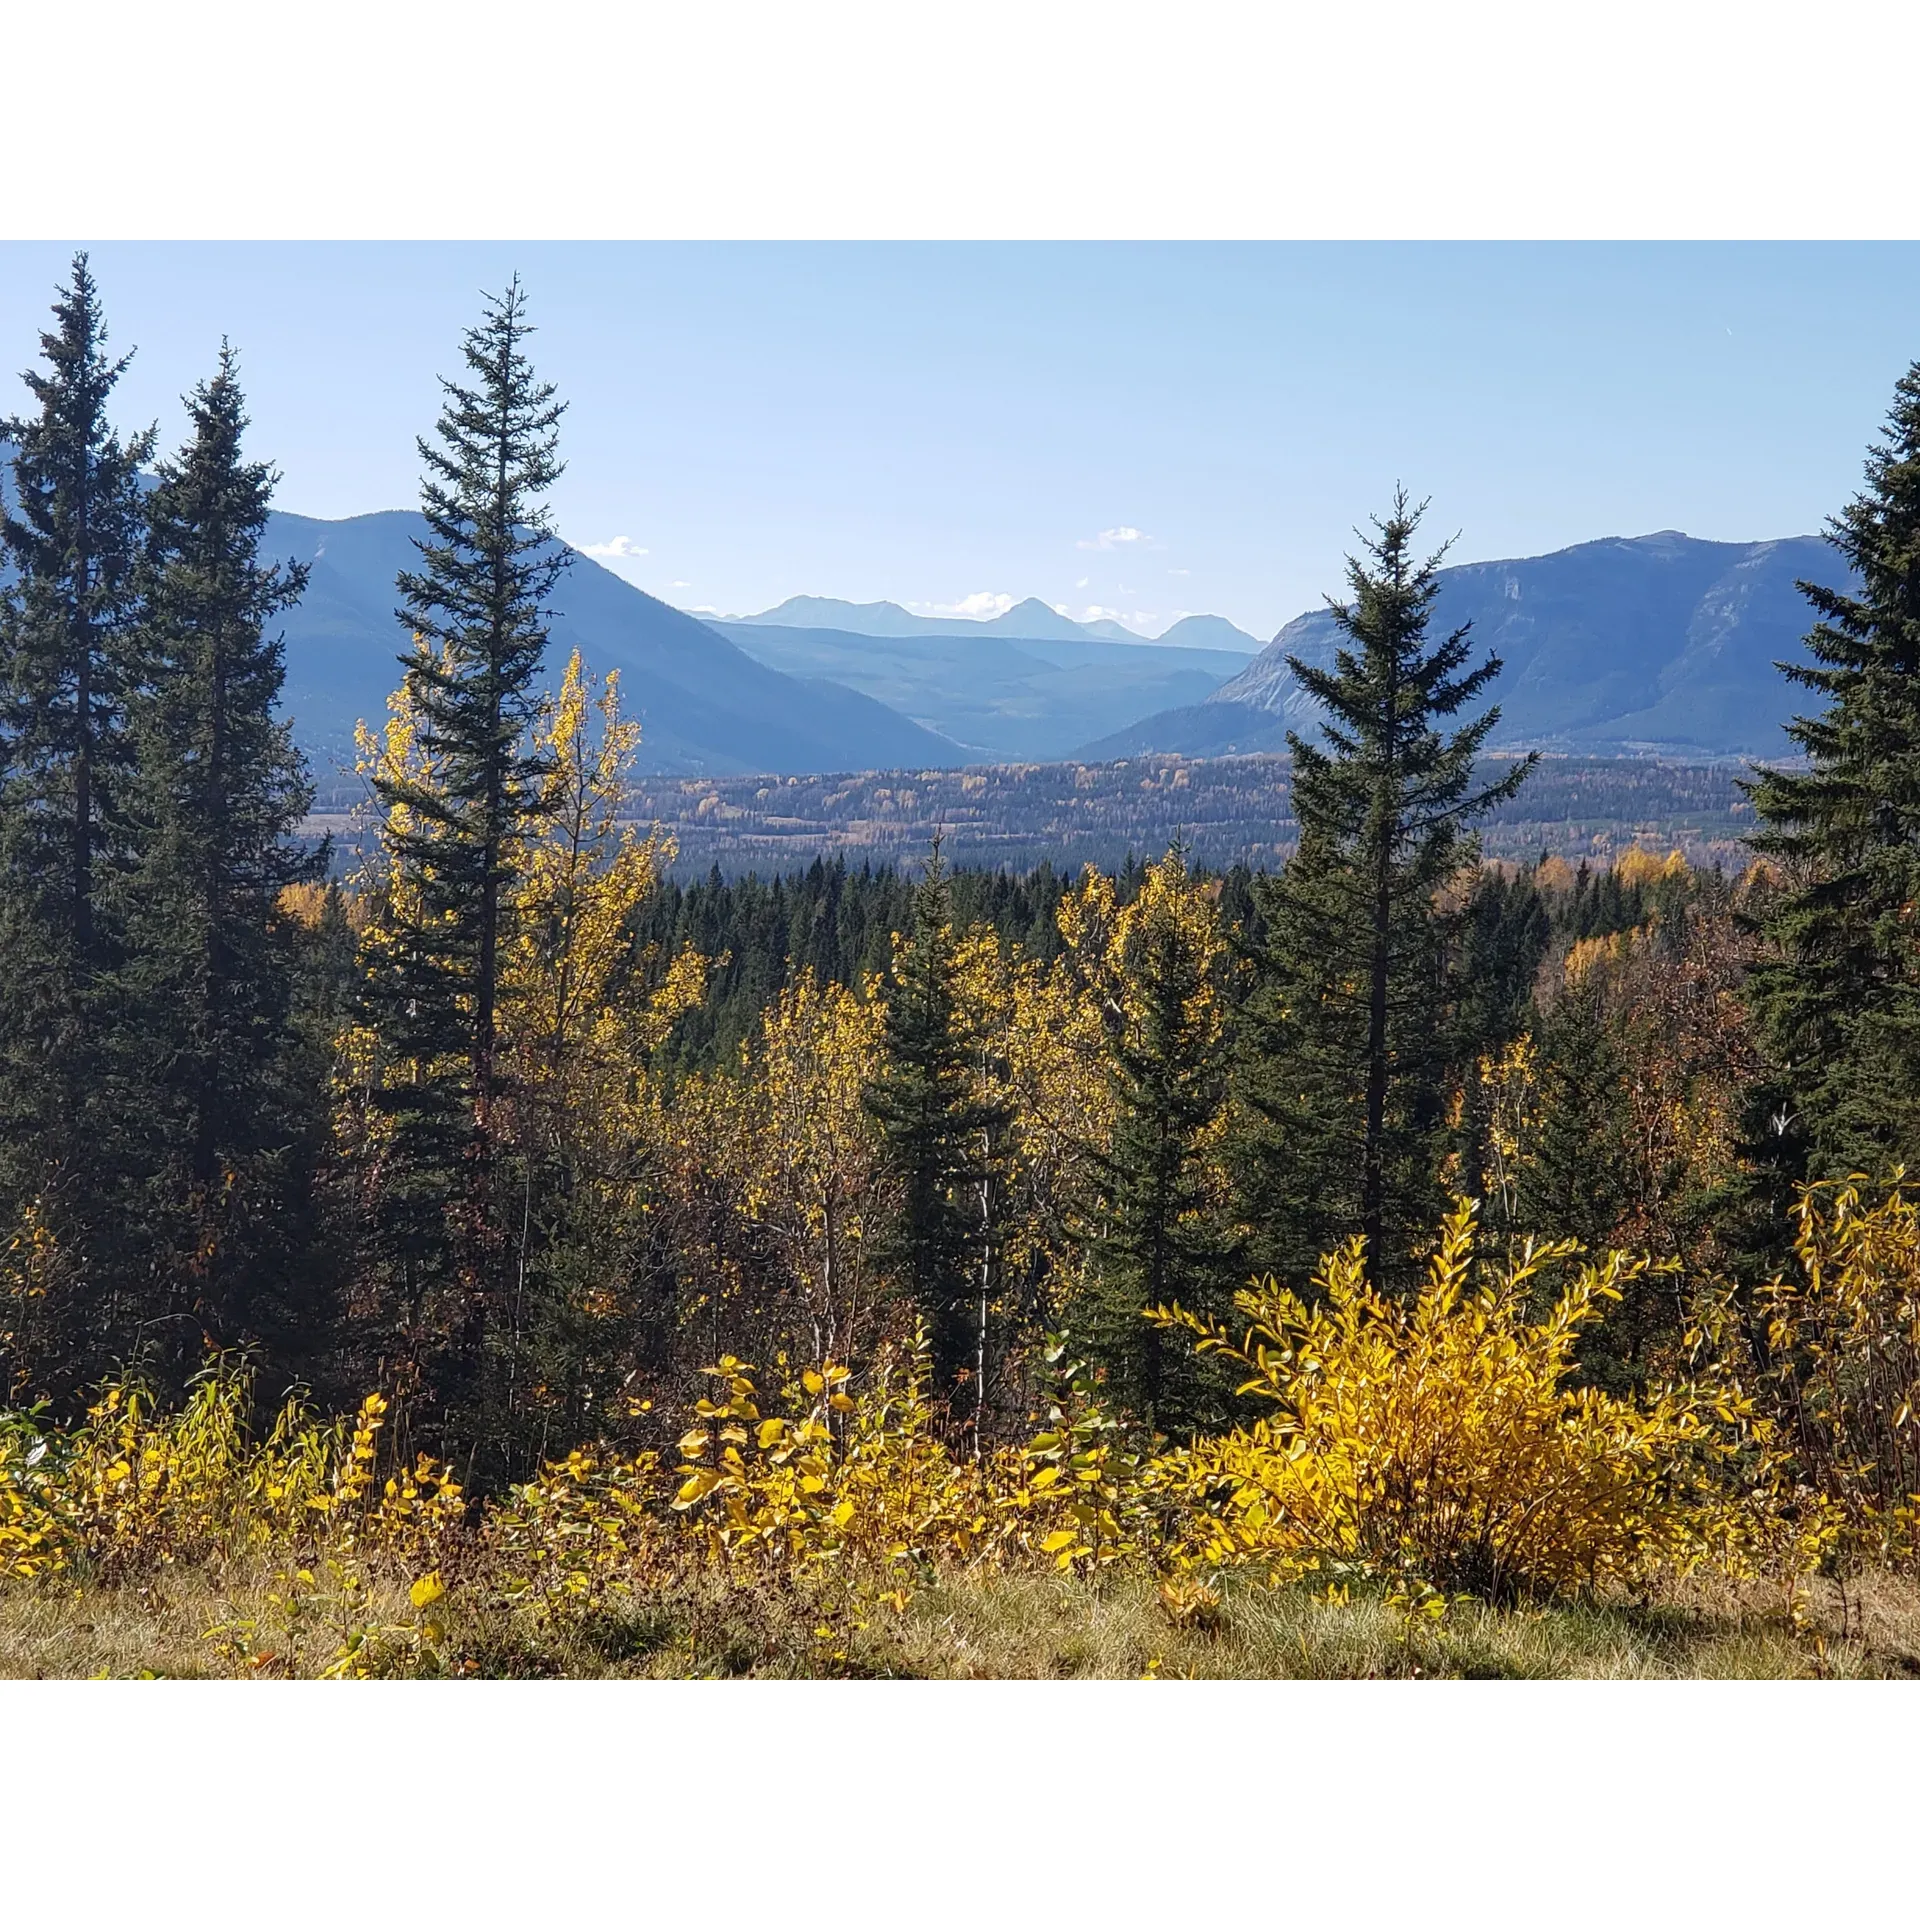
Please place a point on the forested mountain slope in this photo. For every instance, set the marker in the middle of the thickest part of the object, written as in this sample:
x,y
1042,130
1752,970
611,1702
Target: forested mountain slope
x,y
1660,642
704,705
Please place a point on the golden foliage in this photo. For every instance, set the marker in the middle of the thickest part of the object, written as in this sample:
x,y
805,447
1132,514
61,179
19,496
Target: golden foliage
x,y
862,1482
577,1035
1637,866
1509,1099
1436,1442
1842,1376
580,1530
386,905
130,1486
807,1153
1432,1446
575,1027
834,1481
1116,948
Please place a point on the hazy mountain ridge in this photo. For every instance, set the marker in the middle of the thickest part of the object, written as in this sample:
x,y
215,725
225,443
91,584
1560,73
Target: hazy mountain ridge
x,y
1001,699
1657,643
1032,619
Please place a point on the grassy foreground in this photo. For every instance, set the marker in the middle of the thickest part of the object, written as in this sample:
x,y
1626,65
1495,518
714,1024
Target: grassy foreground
x,y
186,1624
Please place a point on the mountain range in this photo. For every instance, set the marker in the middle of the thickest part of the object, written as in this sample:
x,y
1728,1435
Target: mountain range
x,y
999,698
1030,620
1658,644
717,698
1655,644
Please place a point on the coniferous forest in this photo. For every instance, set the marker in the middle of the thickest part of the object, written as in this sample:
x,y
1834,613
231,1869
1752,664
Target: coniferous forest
x,y
476,1251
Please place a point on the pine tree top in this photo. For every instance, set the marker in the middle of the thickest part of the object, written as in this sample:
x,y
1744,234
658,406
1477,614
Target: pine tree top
x,y
1386,766
1861,785
75,480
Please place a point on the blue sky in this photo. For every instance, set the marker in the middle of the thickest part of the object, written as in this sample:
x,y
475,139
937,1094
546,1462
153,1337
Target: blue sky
x,y
1141,430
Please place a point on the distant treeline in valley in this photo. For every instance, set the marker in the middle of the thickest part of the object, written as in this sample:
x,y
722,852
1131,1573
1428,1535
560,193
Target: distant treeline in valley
x,y
1227,812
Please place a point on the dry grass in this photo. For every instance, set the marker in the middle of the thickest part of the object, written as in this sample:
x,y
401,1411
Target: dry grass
x,y
188,1623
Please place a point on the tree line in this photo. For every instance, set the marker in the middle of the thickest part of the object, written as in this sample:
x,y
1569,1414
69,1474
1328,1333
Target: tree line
x,y
511,1128
1229,811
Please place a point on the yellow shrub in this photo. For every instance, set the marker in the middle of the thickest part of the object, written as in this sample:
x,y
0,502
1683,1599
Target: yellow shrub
x,y
1842,1381
580,1530
1073,1495
836,1480
1437,1442
862,1483
132,1486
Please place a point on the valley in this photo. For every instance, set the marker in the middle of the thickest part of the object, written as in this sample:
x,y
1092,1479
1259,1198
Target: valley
x,y
1659,646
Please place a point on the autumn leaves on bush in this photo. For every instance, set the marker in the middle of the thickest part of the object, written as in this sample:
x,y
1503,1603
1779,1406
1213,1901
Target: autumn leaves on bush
x,y
1426,1449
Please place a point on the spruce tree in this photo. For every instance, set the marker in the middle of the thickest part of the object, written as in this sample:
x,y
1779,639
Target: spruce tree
x,y
68,658
1836,993
1579,1179
1584,1180
1503,934
1160,1235
1348,1046
1492,957
932,1123
477,606
229,1101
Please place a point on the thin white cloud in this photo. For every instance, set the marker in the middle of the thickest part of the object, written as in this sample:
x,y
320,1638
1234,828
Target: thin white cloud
x,y
620,547
1179,573
1083,583
976,606
1113,539
676,585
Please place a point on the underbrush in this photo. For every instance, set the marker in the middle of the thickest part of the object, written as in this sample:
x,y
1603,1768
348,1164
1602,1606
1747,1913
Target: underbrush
x,y
1428,1491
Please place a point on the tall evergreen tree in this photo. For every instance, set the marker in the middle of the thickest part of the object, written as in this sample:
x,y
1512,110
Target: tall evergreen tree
x,y
1836,993
1344,1075
477,606
229,1101
932,1122
68,656
1161,1236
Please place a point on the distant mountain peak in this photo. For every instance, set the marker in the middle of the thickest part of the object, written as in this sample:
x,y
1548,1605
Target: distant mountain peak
x,y
798,609
1209,630
1029,619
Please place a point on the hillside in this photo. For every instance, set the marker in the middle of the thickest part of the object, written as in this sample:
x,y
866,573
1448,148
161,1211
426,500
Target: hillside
x,y
704,705
1660,643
